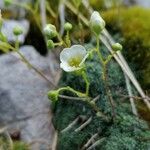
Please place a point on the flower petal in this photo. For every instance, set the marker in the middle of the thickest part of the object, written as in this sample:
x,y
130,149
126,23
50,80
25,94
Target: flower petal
x,y
78,50
74,51
83,60
68,68
72,58
65,55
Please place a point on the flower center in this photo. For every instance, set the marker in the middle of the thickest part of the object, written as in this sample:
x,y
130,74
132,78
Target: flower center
x,y
74,62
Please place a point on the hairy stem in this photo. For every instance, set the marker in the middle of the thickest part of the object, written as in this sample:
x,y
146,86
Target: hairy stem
x,y
84,75
29,64
108,91
68,88
105,78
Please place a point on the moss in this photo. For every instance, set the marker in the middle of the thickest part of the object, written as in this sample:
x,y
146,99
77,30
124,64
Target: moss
x,y
97,4
124,133
133,25
20,146
104,4
17,145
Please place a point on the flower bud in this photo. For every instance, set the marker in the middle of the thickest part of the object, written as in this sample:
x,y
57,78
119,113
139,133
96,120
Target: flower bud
x,y
117,47
68,26
50,44
7,2
50,31
17,30
53,95
97,24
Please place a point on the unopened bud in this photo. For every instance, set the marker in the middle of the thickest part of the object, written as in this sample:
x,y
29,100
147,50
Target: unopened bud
x,y
97,24
17,30
68,26
53,95
117,47
50,44
50,31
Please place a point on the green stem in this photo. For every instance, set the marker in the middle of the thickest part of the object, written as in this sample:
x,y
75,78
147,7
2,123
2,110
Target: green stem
x,y
110,57
61,40
84,75
105,77
98,50
17,44
29,64
68,88
68,42
108,91
58,44
92,104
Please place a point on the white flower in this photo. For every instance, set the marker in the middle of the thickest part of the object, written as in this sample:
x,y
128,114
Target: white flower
x,y
97,23
72,58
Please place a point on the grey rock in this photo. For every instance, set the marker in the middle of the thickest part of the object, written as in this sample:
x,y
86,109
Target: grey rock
x,y
143,3
23,98
8,26
129,2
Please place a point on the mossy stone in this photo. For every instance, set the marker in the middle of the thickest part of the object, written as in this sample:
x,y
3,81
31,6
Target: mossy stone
x,y
124,133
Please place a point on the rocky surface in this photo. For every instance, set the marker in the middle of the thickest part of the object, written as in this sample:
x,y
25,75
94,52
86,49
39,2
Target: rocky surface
x,y
144,3
24,105
8,26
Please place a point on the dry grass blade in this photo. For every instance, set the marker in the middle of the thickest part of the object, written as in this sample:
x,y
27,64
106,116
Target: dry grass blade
x,y
4,131
62,16
90,141
54,144
134,110
84,125
98,142
71,125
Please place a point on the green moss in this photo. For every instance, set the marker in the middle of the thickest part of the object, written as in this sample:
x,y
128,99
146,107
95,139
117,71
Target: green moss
x,y
17,145
97,4
4,143
133,24
124,133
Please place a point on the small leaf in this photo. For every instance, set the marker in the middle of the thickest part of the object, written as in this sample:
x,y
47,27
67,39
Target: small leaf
x,y
5,47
